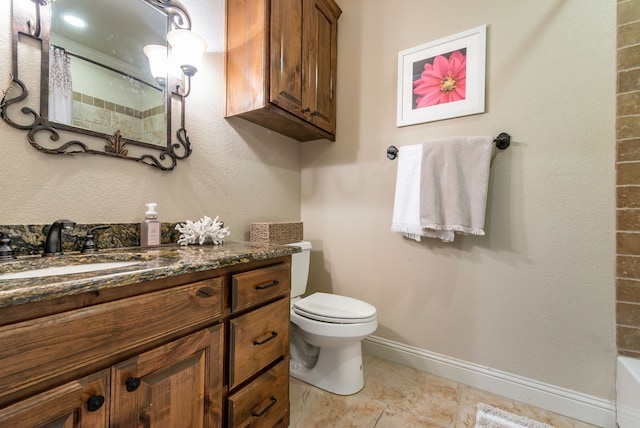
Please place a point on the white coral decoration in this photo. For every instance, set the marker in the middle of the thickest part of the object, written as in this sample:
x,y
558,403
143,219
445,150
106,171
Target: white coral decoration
x,y
199,231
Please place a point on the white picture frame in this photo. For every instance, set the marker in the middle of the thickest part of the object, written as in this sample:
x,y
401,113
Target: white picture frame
x,y
422,99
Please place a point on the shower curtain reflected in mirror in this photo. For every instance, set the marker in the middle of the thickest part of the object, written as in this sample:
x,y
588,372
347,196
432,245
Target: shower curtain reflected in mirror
x,y
60,86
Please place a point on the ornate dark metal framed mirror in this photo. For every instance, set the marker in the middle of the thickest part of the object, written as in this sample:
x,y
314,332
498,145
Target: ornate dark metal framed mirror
x,y
112,96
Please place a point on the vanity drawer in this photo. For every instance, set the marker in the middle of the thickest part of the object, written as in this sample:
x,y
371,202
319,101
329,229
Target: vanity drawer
x,y
259,285
263,402
37,351
257,339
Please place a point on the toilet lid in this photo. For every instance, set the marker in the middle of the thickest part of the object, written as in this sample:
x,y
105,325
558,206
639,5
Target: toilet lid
x,y
335,308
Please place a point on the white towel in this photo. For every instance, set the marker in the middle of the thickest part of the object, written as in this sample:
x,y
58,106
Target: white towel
x,y
454,184
406,207
441,188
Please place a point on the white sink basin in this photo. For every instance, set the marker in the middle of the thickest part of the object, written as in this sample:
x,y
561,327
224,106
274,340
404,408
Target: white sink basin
x,y
66,270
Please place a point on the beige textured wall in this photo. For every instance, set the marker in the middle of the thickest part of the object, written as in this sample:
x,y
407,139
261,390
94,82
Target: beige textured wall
x,y
535,297
238,171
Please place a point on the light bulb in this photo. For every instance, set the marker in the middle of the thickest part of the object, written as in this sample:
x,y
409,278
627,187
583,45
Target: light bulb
x,y
187,48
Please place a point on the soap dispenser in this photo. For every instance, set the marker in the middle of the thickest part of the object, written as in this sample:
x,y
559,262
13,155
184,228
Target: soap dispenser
x,y
150,227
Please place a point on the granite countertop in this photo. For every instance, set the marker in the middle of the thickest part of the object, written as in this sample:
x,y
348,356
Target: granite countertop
x,y
152,263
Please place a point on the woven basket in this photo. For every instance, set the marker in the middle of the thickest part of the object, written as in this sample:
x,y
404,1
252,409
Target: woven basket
x,y
276,233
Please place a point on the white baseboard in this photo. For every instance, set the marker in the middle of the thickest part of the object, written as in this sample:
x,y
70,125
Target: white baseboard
x,y
628,417
592,410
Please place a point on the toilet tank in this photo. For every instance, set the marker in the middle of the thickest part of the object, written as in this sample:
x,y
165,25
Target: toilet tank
x,y
300,268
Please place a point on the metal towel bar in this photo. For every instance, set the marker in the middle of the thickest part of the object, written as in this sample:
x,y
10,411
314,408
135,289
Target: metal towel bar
x,y
503,140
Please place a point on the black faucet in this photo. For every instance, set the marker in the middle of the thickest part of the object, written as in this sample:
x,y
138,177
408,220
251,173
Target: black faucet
x,y
53,244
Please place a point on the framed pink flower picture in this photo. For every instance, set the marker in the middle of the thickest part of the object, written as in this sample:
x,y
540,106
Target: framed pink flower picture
x,y
442,79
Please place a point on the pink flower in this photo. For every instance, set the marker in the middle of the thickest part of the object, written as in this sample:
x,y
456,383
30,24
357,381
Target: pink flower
x,y
443,81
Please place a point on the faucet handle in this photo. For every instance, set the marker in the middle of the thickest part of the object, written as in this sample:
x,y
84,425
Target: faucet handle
x,y
90,245
6,252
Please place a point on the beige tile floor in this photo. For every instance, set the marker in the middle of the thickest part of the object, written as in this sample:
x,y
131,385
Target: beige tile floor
x,y
395,396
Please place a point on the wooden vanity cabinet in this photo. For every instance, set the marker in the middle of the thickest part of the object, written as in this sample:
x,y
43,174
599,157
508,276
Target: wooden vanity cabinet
x,y
155,354
281,65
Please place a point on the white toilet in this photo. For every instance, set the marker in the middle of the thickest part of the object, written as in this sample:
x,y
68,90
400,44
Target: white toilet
x,y
326,333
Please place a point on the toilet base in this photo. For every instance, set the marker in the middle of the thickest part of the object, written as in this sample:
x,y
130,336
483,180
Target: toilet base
x,y
338,370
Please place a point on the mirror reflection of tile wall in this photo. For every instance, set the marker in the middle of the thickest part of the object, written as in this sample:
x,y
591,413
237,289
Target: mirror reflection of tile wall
x,y
99,115
105,101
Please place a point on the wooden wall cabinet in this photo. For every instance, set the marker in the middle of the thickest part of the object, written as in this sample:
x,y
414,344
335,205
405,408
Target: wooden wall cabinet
x,y
280,65
166,353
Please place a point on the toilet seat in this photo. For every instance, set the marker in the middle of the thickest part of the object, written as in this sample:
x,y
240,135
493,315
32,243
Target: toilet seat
x,y
334,308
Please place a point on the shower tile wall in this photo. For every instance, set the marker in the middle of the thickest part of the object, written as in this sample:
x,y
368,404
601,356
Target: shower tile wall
x,y
628,179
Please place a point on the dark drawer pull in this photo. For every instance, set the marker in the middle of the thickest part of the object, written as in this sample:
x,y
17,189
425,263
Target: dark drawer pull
x,y
266,409
263,341
132,383
275,283
95,402
205,292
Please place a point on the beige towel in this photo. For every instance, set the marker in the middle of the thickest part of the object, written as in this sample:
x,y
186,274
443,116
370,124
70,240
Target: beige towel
x,y
454,182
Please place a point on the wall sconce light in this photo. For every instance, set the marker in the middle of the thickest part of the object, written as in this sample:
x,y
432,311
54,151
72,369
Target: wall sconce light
x,y
158,61
187,49
185,55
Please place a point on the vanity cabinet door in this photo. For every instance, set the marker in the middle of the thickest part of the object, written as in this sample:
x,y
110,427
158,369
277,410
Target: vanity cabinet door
x,y
251,288
264,402
257,339
174,386
81,403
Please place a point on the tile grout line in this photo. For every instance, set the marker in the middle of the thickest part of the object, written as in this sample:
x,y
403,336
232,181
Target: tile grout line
x,y
456,419
386,406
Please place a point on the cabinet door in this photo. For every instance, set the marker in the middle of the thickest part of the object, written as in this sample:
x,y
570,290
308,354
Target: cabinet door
x,y
286,81
82,403
259,285
257,339
174,386
264,402
320,49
